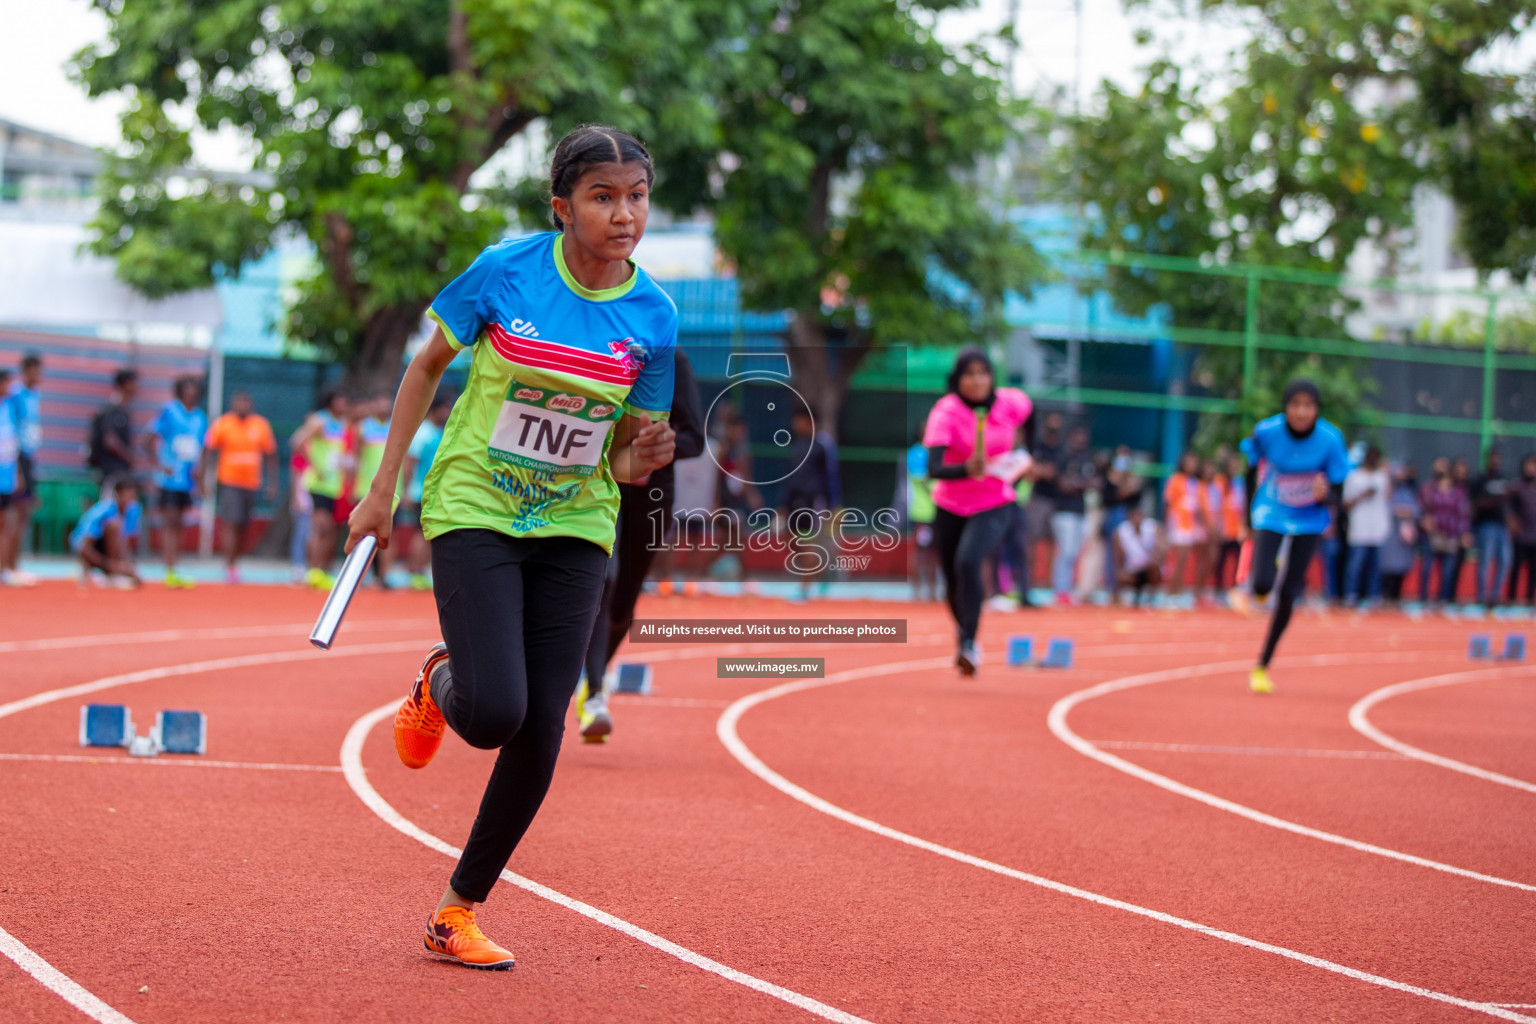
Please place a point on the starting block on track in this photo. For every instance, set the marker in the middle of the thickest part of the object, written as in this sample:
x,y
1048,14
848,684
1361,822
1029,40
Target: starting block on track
x,y
1021,653
181,732
1479,647
106,725
1514,647
631,677
1058,654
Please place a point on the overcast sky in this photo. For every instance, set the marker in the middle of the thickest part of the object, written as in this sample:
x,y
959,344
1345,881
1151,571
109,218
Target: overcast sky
x,y
41,35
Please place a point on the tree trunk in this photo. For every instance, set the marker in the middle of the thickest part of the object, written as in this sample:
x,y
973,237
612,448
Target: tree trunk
x,y
379,361
811,363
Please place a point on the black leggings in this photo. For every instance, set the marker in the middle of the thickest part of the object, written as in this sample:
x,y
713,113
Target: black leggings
x,y
1266,549
964,542
1229,550
513,665
644,517
1525,554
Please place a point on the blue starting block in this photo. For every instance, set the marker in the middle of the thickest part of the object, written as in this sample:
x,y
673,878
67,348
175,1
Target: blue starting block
x,y
105,725
1021,651
632,678
1058,654
181,732
1514,647
1480,647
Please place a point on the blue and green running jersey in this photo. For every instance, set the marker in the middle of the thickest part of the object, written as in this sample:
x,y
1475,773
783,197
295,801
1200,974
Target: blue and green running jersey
x,y
94,523
326,452
181,431
1283,501
371,435
555,366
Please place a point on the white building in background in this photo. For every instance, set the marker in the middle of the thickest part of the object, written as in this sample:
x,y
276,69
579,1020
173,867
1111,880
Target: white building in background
x,y
1427,258
48,281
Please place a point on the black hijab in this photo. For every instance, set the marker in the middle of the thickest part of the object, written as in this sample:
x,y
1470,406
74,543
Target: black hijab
x,y
1301,386
963,362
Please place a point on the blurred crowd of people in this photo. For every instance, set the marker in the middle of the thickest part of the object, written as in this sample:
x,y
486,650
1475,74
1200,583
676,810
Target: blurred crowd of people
x,y
1087,522
162,475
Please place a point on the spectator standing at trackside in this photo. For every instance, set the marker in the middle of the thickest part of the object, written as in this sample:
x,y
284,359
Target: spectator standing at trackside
x,y
1522,524
10,465
1093,555
27,407
418,462
920,509
1367,496
1232,519
1461,476
242,441
1043,495
1402,543
1490,529
1122,490
808,490
1447,527
175,444
1075,474
111,437
1185,509
322,438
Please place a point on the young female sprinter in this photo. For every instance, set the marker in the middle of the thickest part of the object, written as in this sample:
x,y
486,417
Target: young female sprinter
x,y
567,394
1298,459
974,507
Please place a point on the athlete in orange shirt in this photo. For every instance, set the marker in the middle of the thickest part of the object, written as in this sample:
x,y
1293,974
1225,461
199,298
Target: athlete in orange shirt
x,y
242,442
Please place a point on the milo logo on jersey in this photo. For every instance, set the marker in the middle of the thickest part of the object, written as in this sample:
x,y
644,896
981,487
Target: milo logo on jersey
x,y
551,431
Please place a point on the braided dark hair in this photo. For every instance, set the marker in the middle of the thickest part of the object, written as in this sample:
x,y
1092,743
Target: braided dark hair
x,y
586,147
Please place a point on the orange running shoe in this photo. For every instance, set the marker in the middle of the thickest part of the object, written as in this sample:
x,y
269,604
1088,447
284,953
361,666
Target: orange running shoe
x,y
452,932
419,724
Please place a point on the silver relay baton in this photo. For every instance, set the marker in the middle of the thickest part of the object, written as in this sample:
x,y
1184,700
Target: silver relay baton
x,y
347,581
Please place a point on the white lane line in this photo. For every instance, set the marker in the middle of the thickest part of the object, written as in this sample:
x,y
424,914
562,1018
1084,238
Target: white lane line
x,y
665,702
198,667
299,629
357,778
266,766
29,961
726,730
57,982
1359,717
1063,707
1200,748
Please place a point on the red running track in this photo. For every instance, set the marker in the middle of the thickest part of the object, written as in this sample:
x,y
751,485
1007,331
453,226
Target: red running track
x,y
255,884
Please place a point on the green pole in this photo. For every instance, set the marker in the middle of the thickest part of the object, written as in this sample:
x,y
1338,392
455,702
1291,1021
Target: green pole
x,y
1250,345
1490,355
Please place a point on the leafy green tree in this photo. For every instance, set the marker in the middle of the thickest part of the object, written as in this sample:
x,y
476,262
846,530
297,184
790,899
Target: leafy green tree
x,y
848,189
1315,140
367,123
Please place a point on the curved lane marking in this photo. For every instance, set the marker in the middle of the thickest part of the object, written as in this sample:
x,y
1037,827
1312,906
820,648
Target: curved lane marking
x,y
1359,717
357,778
299,629
49,977
57,982
1063,707
725,729
77,996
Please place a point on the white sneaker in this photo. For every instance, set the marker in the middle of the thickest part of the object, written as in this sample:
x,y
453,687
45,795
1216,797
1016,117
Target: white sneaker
x,y
596,722
1002,603
18,578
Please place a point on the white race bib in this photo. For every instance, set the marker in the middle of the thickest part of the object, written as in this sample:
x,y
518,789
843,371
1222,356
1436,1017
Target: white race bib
x,y
186,448
553,431
1294,490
